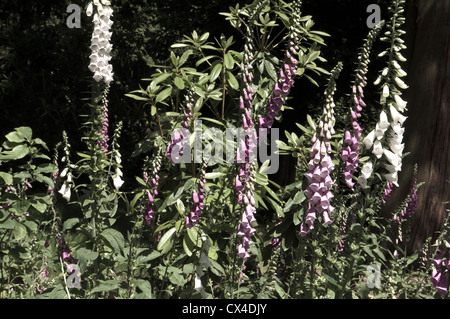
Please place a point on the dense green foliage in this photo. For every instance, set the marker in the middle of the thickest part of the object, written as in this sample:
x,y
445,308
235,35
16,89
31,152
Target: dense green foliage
x,y
70,229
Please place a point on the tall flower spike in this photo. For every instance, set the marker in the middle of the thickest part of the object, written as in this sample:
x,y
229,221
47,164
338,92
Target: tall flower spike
x,y
245,178
100,45
389,130
350,149
286,79
153,181
320,165
198,198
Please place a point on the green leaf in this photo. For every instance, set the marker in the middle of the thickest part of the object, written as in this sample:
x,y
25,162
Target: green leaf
x,y
213,175
20,231
165,239
14,137
85,254
232,80
7,178
194,236
229,61
136,97
271,70
25,132
188,246
114,239
68,224
145,287
311,122
18,152
215,72
107,286
164,94
179,82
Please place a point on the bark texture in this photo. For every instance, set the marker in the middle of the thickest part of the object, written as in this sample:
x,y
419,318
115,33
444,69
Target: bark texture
x,y
427,134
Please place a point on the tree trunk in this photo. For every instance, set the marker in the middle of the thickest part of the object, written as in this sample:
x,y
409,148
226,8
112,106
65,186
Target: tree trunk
x,y
427,134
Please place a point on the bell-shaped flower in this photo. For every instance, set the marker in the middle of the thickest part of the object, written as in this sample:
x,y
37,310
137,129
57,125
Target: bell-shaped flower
x,y
393,158
117,180
65,191
377,149
400,83
400,104
367,170
396,116
368,140
385,91
362,181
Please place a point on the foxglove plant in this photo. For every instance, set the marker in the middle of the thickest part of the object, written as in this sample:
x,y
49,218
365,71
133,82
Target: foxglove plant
x,y
153,181
351,146
321,165
389,130
244,181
